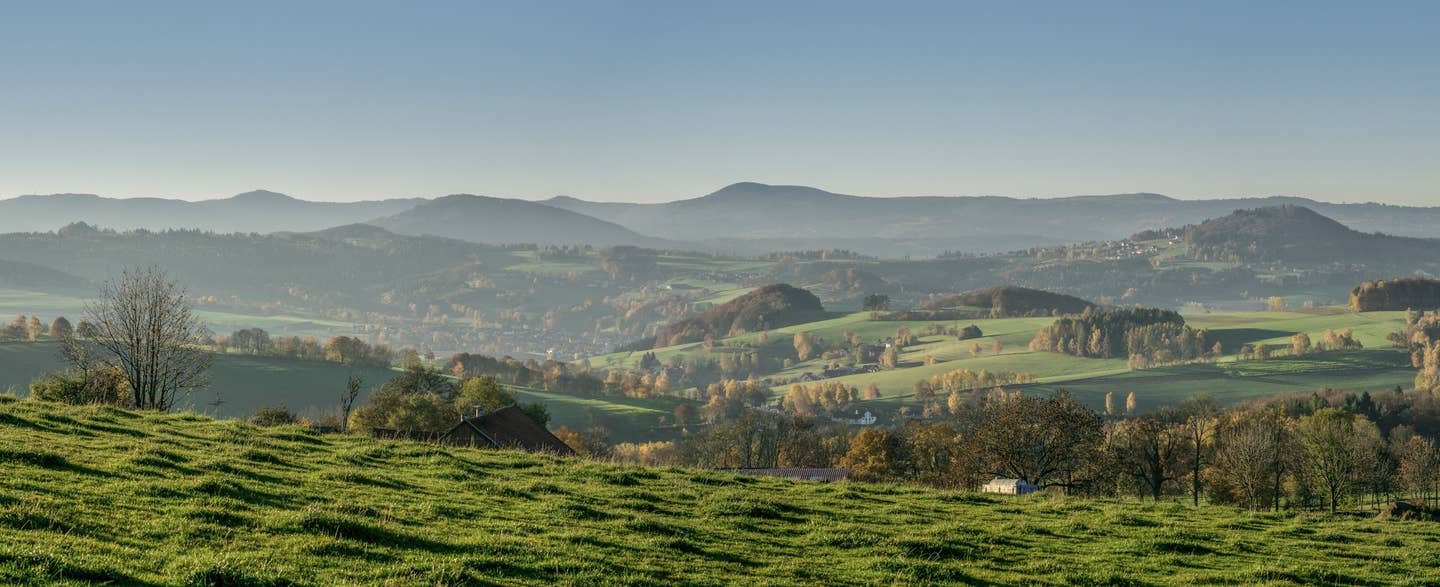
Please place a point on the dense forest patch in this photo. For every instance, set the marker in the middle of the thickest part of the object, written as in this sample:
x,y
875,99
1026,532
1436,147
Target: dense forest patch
x,y
1013,301
772,306
1396,294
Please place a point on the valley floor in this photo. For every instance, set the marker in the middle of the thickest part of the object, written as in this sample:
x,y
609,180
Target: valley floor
x,y
99,495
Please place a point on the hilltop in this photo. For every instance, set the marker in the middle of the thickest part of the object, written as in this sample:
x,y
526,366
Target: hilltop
x,y
772,306
502,220
1297,234
100,495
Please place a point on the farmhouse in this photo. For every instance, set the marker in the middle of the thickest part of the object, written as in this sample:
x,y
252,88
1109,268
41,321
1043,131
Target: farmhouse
x,y
1009,486
507,427
802,474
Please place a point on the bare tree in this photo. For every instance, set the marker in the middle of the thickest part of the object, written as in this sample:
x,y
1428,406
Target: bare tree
x,y
1201,416
144,323
347,401
1149,448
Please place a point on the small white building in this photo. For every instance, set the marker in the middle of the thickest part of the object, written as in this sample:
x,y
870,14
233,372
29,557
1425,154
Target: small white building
x,y
1009,486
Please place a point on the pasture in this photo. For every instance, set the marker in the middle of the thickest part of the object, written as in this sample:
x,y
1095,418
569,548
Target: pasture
x,y
99,495
1376,367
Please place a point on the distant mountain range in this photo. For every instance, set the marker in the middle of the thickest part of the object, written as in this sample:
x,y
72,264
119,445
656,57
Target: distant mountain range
x,y
796,216
744,218
257,211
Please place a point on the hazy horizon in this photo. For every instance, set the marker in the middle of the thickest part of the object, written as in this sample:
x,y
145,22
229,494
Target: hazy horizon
x,y
654,101
664,199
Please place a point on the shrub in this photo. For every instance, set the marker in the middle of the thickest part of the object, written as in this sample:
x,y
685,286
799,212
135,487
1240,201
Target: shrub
x,y
273,416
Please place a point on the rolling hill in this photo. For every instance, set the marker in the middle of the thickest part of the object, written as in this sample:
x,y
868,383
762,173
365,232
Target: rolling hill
x,y
105,496
772,306
1297,234
490,220
256,211
743,218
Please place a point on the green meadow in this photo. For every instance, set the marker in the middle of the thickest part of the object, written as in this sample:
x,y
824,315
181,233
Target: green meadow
x,y
103,496
245,383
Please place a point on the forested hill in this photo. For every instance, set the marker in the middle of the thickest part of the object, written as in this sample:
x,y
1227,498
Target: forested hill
x,y
1298,235
484,219
1012,300
772,306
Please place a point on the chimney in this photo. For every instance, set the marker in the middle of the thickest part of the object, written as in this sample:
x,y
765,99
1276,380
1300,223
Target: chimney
x,y
479,411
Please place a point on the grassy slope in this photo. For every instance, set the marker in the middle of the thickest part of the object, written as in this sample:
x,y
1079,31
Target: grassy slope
x,y
96,494
1089,379
311,388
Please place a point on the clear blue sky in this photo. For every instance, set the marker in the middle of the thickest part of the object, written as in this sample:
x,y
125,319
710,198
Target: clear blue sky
x,y
660,100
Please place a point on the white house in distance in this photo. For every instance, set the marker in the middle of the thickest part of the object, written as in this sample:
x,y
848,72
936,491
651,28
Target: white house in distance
x,y
1009,486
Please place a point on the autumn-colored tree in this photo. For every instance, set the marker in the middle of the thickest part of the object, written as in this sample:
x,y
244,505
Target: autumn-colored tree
x,y
891,357
1300,344
1420,466
804,345
1130,403
60,328
34,328
874,455
974,349
684,414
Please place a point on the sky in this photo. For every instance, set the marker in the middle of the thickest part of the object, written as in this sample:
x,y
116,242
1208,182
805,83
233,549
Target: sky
x,y
656,101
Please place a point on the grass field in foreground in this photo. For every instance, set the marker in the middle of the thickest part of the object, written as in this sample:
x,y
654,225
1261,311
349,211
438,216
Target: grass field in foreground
x,y
98,495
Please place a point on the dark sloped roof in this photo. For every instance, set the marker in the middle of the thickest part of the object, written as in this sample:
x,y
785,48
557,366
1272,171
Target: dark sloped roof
x,y
804,474
510,427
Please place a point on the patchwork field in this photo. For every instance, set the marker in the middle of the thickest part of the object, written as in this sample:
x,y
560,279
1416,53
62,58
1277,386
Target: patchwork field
x,y
1227,380
98,495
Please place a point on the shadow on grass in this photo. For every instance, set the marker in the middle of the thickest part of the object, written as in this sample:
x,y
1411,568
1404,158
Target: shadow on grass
x,y
217,487
337,526
47,568
45,460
